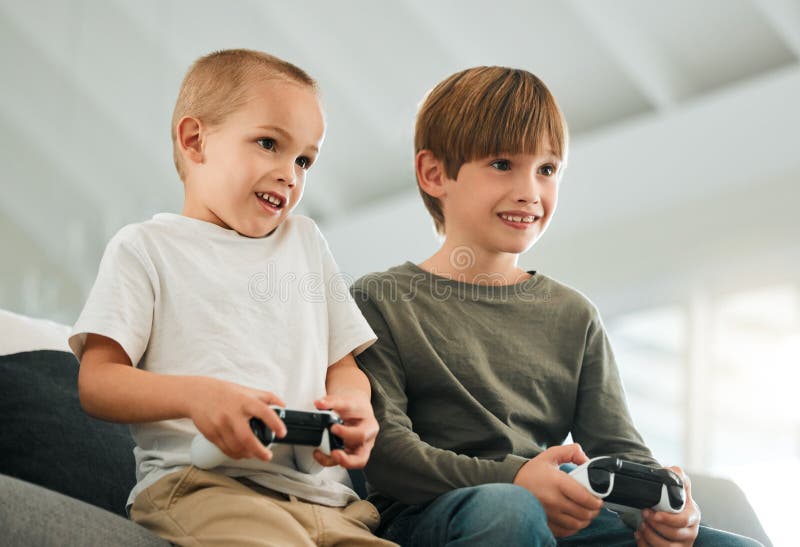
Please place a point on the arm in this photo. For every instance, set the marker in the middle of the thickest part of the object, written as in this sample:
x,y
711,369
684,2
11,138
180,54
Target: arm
x,y
602,423
348,394
403,466
612,432
111,389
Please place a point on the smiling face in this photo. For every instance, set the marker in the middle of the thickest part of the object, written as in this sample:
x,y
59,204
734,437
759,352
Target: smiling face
x,y
501,204
248,173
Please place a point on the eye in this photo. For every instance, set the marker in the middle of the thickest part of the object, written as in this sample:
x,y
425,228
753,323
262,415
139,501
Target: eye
x,y
266,143
501,165
303,162
547,170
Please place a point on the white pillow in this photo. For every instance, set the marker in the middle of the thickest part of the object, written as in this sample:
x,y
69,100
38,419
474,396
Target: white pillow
x,y
21,333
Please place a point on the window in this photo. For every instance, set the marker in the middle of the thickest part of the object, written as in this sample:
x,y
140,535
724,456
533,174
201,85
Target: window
x,y
713,385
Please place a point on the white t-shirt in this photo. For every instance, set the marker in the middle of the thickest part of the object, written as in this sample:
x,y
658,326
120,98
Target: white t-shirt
x,y
187,297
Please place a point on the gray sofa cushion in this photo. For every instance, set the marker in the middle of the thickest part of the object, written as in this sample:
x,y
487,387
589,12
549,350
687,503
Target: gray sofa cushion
x,y
32,515
725,506
47,439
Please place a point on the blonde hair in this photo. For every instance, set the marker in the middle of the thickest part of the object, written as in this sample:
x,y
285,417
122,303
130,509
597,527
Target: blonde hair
x,y
218,84
486,111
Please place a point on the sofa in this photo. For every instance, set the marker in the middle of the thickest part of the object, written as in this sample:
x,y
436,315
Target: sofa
x,y
65,477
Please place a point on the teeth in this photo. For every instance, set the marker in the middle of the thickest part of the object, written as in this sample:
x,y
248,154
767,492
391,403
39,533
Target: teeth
x,y
527,219
271,199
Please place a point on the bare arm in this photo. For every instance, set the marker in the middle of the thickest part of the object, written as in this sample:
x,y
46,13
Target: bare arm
x,y
345,376
110,388
349,395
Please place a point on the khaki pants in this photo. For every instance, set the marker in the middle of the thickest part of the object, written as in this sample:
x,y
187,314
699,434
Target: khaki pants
x,y
197,507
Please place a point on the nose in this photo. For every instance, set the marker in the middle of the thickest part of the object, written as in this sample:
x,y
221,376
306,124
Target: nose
x,y
533,199
286,174
528,189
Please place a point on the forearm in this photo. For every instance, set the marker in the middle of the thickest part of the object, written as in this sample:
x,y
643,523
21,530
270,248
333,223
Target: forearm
x,y
345,376
602,423
405,468
118,392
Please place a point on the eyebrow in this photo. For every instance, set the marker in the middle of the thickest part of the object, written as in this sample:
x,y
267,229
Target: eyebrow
x,y
285,134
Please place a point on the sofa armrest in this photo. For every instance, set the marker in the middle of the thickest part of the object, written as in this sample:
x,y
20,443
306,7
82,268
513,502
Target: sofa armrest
x,y
724,506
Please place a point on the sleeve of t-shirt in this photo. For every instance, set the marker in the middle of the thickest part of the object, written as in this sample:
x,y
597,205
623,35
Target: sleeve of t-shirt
x,y
348,332
402,466
121,301
603,425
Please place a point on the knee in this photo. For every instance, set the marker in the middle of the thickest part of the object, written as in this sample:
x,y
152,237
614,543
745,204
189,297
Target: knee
x,y
508,515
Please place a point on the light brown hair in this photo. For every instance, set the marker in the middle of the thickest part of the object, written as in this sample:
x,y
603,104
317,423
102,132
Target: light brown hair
x,y
486,111
218,84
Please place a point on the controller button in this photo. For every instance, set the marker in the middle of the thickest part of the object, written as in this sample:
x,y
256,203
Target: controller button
x,y
677,496
599,480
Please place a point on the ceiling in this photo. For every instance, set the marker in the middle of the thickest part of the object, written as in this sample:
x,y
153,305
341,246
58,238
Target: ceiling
x,y
88,87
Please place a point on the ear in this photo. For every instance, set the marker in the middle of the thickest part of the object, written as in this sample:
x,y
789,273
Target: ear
x,y
430,173
189,135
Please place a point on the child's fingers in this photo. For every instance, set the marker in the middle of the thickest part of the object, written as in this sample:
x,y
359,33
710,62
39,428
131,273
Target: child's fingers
x,y
324,459
356,435
356,459
567,453
672,520
578,494
270,419
649,536
219,441
251,447
234,447
270,398
343,406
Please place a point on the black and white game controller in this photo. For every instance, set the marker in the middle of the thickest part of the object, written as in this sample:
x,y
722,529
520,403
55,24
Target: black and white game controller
x,y
626,487
302,428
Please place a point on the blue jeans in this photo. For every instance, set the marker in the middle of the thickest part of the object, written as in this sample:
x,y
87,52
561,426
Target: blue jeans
x,y
507,515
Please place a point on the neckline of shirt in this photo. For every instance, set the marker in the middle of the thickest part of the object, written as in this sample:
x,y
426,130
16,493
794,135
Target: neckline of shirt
x,y
487,290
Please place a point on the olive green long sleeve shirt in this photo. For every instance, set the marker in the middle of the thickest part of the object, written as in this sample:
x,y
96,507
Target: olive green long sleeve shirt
x,y
471,381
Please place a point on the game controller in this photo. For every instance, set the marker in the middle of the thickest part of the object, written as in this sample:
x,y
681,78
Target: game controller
x,y
302,428
626,486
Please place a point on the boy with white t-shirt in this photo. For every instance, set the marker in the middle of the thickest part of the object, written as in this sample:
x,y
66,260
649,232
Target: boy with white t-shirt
x,y
198,322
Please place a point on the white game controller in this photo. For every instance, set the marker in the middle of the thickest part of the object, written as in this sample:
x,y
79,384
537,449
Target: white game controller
x,y
303,428
628,487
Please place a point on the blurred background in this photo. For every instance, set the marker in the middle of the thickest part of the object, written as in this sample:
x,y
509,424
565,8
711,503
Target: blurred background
x,y
677,215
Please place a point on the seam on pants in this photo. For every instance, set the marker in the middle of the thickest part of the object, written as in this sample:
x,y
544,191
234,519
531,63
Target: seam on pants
x,y
375,515
166,515
320,539
180,488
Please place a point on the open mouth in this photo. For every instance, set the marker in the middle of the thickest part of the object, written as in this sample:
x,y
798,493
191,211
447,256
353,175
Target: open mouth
x,y
518,221
270,201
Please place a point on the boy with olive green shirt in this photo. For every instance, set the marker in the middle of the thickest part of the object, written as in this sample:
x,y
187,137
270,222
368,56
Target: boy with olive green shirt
x,y
482,369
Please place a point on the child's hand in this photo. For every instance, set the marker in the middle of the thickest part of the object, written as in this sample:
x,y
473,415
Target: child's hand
x,y
568,505
358,432
662,528
222,410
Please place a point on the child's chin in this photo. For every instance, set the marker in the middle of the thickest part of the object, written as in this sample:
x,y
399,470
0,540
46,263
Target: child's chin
x,y
520,247
255,230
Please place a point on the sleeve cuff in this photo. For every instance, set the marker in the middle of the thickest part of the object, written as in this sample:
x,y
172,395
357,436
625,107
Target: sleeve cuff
x,y
509,467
